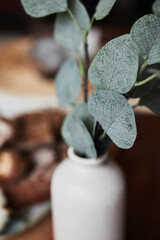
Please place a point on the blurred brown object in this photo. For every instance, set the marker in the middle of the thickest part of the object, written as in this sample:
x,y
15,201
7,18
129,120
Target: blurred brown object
x,y
18,71
37,136
12,166
35,129
6,131
38,128
34,187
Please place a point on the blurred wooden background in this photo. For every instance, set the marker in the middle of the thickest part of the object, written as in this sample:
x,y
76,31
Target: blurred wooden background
x,y
141,164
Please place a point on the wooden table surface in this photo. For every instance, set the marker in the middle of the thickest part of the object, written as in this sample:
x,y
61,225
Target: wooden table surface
x,y
19,75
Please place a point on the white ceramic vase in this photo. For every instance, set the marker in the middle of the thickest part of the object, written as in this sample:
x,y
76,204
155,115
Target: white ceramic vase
x,y
88,199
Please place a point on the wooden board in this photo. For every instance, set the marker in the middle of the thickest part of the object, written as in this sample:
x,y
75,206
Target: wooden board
x,y
18,71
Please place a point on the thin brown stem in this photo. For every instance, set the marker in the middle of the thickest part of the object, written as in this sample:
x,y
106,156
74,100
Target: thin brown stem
x,y
85,77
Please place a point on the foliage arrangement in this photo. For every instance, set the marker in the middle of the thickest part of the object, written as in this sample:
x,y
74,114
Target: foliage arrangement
x,y
126,67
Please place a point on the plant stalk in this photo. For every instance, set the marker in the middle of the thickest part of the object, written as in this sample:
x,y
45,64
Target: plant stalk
x,y
91,23
86,55
146,80
142,68
85,77
75,20
81,67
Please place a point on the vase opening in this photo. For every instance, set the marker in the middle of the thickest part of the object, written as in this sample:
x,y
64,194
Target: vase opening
x,y
86,161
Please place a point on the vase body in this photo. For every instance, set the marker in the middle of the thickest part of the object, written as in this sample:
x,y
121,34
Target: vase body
x,y
88,199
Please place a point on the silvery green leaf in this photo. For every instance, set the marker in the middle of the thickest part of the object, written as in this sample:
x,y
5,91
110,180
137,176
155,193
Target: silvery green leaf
x,y
145,34
156,8
81,111
67,33
41,8
103,8
115,115
152,100
80,13
76,135
115,66
68,83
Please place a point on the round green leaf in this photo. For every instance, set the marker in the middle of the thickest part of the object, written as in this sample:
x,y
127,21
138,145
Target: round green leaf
x,y
156,8
80,13
76,135
115,66
63,33
101,140
81,111
145,34
41,8
115,115
68,83
67,33
103,8
152,100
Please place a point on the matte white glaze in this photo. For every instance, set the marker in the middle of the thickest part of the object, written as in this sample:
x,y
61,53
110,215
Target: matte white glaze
x,y
88,198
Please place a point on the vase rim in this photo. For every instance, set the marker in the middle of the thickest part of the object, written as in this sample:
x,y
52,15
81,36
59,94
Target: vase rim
x,y
86,161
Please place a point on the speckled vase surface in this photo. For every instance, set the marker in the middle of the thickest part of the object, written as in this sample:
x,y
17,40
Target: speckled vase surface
x,y
88,199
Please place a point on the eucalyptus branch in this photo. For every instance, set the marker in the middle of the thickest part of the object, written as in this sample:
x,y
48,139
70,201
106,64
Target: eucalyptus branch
x,y
146,80
91,23
85,77
81,67
74,19
77,23
142,68
86,55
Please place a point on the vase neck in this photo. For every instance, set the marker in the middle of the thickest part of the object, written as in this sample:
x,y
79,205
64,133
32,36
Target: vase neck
x,y
85,161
